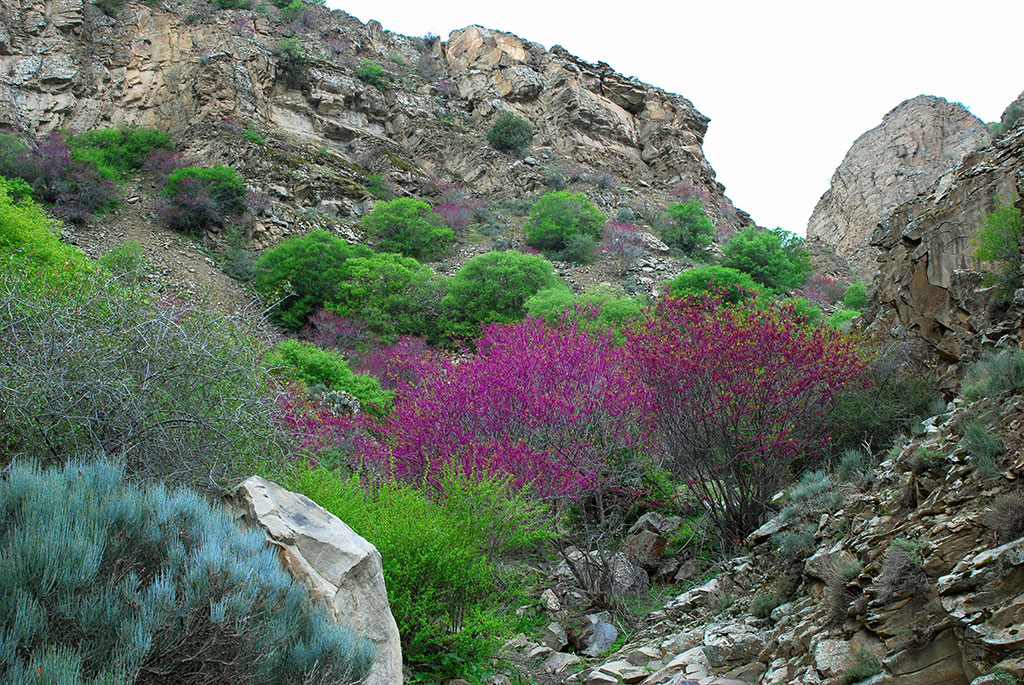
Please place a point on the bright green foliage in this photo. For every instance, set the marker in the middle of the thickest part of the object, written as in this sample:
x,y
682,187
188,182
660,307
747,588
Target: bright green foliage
x,y
117,152
803,310
856,296
292,63
841,317
28,237
106,582
225,186
773,258
196,197
686,227
493,287
558,217
511,133
372,73
441,583
315,366
603,306
409,227
393,295
301,274
736,284
998,240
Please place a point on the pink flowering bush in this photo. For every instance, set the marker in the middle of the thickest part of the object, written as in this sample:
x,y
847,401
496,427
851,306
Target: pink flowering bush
x,y
741,394
553,408
622,242
401,365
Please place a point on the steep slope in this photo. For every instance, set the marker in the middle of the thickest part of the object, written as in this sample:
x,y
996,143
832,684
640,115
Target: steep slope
x,y
209,76
917,142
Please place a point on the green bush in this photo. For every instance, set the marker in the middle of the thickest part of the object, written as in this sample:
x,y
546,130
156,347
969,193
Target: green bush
x,y
865,665
736,284
493,287
764,604
842,317
372,73
409,227
773,258
995,373
686,228
127,263
292,63
106,582
856,296
194,198
511,133
118,152
558,217
442,586
315,366
578,250
28,237
614,311
393,295
302,273
803,310
1011,116
998,240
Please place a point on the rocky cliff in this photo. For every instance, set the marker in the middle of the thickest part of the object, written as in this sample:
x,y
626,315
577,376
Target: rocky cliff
x,y
928,280
916,143
206,76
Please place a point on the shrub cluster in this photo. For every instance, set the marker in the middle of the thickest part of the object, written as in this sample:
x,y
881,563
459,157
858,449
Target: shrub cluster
x,y
409,227
510,132
106,582
733,285
686,228
314,366
194,198
773,258
560,217
998,240
118,152
372,73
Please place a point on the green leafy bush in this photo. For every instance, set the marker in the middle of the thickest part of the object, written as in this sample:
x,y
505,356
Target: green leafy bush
x,y
110,583
856,296
409,227
998,240
558,217
442,586
117,152
194,198
28,237
372,73
302,273
686,228
578,250
737,285
315,366
511,133
493,287
865,665
292,63
841,317
393,295
127,263
604,307
1011,116
773,258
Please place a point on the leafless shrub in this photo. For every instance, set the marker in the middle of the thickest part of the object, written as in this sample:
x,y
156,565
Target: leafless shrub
x,y
901,571
840,591
1006,517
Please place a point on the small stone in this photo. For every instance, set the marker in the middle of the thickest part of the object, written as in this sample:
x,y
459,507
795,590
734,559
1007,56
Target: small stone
x,y
559,661
550,600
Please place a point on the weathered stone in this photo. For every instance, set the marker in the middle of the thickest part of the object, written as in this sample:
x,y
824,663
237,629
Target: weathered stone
x,y
550,600
832,657
644,548
598,636
731,642
937,663
917,142
342,570
554,636
556,662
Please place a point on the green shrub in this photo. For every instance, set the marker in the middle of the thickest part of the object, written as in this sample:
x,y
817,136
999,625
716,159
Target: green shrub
x,y
409,227
614,310
993,374
28,237
851,465
737,284
302,273
773,258
372,73
795,544
764,604
983,447
127,263
856,296
578,250
865,665
998,240
558,217
393,295
1011,116
292,63
812,497
442,586
118,152
315,366
511,133
686,228
841,317
110,583
803,310
493,287
194,198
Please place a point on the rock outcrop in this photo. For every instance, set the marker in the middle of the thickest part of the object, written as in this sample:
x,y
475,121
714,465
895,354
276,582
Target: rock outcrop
x,y
917,142
928,280
342,570
207,75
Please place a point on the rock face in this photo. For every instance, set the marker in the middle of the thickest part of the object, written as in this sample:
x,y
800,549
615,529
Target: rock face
x,y
928,279
342,570
206,75
916,143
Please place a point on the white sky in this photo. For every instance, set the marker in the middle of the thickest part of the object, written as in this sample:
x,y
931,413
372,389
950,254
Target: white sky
x,y
788,85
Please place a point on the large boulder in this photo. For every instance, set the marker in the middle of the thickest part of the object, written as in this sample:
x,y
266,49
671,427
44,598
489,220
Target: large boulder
x,y
342,570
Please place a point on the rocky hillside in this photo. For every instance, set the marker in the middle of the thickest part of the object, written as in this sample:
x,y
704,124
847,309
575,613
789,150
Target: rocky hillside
x,y
917,142
210,76
928,280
